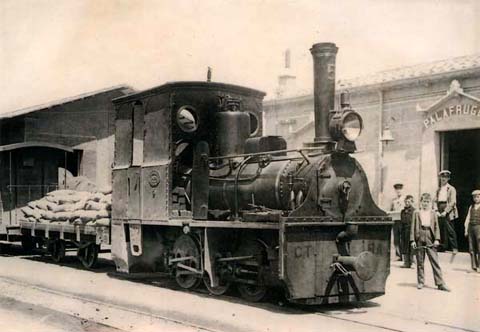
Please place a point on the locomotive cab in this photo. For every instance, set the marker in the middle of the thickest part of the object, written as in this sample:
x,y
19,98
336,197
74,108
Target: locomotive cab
x,y
200,193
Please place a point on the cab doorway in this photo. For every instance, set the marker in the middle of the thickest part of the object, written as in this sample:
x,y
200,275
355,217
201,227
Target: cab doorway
x,y
461,155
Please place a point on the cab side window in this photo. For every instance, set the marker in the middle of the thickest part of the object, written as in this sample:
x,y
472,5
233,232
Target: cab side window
x,y
138,123
124,136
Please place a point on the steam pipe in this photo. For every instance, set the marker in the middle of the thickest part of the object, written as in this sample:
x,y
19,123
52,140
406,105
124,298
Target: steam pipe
x,y
324,56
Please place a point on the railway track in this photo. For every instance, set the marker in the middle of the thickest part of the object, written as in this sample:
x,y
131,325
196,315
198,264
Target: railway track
x,y
93,303
434,325
380,323
100,312
132,319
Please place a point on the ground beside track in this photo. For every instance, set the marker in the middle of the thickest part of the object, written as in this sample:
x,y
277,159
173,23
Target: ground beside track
x,y
74,294
20,316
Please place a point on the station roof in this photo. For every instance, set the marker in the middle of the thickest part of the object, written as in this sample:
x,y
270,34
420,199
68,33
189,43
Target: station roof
x,y
457,64
452,67
124,88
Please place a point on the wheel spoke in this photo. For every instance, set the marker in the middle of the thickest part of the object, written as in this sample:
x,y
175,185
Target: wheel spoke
x,y
250,269
221,289
252,293
88,255
188,270
58,251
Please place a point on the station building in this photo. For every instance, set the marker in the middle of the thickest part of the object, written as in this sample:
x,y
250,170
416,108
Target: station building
x,y
41,147
418,120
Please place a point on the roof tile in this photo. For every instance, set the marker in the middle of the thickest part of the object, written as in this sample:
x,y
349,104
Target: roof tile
x,y
415,71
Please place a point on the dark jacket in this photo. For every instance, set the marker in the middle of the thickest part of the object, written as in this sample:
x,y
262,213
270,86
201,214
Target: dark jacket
x,y
406,215
417,223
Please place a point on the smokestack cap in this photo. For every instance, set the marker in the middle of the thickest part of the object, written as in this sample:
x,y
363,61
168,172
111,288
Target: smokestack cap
x,y
324,48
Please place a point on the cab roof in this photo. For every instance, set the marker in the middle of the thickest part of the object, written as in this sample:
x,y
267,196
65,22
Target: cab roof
x,y
189,85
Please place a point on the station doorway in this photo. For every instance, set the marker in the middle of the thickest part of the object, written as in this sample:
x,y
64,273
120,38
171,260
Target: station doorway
x,y
460,152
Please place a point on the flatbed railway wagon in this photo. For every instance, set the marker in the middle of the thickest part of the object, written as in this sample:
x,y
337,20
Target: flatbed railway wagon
x,y
198,192
65,220
59,237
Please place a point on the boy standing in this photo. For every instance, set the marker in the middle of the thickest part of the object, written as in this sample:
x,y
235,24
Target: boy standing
x,y
406,217
472,230
424,237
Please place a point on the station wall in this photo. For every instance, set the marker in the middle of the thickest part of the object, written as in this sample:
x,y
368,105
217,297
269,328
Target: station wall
x,y
413,157
86,124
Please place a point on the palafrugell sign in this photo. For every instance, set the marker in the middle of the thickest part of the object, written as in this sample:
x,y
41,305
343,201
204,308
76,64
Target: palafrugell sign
x,y
446,113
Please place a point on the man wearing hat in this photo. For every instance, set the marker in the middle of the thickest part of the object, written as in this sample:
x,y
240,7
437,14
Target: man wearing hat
x,y
396,207
446,203
472,230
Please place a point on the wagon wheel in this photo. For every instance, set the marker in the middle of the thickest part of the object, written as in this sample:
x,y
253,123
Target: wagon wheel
x,y
3,248
221,289
58,251
28,243
88,255
252,293
185,246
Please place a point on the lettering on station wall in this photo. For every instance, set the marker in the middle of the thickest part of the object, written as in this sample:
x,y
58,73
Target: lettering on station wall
x,y
448,112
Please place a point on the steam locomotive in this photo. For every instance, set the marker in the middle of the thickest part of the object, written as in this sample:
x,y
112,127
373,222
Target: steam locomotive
x,y
199,192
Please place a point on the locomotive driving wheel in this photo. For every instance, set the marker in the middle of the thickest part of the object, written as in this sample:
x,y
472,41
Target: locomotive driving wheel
x,y
88,255
222,288
249,269
57,251
252,293
186,254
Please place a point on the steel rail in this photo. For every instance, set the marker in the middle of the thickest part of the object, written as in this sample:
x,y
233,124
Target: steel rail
x,y
394,329
106,304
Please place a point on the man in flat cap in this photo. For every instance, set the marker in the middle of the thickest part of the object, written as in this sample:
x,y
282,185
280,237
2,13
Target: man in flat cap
x,y
396,207
472,230
446,204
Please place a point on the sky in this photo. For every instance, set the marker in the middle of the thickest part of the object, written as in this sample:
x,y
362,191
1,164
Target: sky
x,y
55,49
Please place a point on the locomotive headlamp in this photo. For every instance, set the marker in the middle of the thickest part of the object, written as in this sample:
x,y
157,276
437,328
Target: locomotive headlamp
x,y
346,125
352,125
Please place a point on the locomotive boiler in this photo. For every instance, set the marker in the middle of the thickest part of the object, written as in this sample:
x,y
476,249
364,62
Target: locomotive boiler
x,y
200,193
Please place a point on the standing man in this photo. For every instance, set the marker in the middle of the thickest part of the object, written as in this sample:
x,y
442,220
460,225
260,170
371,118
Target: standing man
x,y
472,230
396,207
447,212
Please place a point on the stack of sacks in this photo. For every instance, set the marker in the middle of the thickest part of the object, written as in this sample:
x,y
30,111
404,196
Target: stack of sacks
x,y
69,206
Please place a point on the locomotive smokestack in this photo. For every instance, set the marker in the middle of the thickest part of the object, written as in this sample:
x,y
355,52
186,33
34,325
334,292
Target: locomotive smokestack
x,y
324,56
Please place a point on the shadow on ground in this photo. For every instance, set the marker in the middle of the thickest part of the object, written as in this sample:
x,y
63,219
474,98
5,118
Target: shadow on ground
x,y
274,302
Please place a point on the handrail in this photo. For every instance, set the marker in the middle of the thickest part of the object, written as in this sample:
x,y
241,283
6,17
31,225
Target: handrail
x,y
264,153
